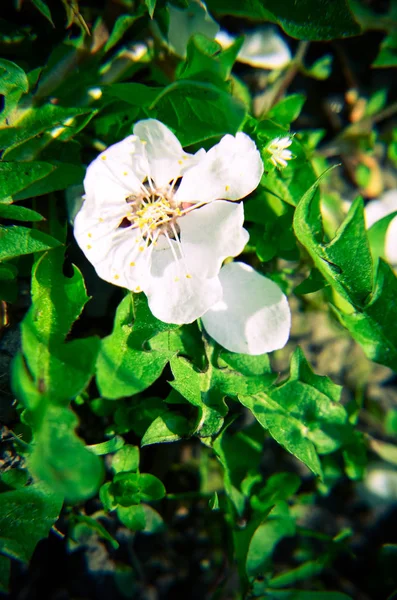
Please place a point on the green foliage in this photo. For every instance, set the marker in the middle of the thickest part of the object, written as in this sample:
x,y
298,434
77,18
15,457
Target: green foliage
x,y
241,453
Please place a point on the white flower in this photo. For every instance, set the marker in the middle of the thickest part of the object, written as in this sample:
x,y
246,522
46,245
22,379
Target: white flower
x,y
263,48
278,150
157,219
376,210
253,316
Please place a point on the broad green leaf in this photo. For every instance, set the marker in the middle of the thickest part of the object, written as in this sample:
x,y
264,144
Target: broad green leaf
x,y
205,61
16,240
288,431
19,213
374,327
108,447
345,262
327,20
308,569
123,367
167,427
133,517
150,488
287,110
60,459
16,176
277,488
197,111
62,176
136,94
15,478
26,516
278,525
126,459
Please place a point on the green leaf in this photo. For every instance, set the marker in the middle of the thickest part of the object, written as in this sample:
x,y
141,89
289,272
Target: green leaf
x,y
136,94
57,371
198,111
123,367
133,517
35,121
288,431
374,327
327,20
15,478
288,109
150,488
62,176
279,524
387,56
125,489
60,459
345,262
43,8
107,447
151,5
13,84
167,427
205,61
122,24
19,213
126,459
240,456
16,241
15,176
26,516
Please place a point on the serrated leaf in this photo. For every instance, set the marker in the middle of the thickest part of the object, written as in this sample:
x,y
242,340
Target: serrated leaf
x,y
374,327
26,516
290,433
123,367
60,459
345,262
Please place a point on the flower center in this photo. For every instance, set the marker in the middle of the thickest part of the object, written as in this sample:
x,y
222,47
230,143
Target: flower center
x,y
153,212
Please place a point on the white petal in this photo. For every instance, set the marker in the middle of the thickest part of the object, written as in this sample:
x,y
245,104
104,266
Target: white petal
x,y
231,170
116,173
167,159
265,49
210,234
391,242
186,22
174,295
117,254
253,316
377,209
